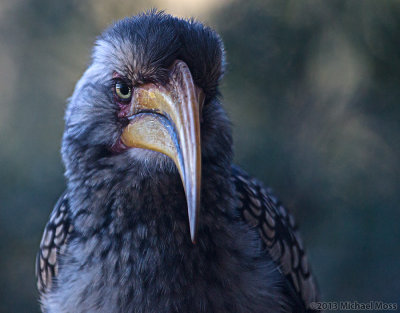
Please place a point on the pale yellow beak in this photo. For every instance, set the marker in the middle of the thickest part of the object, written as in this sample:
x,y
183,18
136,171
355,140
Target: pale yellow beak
x,y
167,119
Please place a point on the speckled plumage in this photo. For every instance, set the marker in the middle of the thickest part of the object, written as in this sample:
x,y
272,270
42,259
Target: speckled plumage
x,y
118,239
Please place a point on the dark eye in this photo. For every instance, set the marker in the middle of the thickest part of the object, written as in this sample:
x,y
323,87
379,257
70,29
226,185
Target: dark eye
x,y
123,91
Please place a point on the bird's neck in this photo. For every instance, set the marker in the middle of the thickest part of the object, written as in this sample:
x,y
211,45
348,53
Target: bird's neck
x,y
156,204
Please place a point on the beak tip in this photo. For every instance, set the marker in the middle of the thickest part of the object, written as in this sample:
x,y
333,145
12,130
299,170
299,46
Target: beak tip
x,y
193,230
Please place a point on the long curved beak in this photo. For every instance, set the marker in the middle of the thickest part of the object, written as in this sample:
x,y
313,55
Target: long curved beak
x,y
167,119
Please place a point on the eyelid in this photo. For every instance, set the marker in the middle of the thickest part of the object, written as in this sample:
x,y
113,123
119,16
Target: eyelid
x,y
123,80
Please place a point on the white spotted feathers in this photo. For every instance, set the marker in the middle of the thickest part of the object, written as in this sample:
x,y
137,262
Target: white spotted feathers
x,y
52,245
278,231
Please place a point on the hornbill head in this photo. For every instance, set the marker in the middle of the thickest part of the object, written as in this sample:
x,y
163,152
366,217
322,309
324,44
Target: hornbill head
x,y
149,100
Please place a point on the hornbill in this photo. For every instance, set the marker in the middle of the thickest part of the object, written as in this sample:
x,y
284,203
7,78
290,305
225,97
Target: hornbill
x,y
155,217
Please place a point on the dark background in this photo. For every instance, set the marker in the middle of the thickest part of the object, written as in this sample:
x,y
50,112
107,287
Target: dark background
x,y
312,88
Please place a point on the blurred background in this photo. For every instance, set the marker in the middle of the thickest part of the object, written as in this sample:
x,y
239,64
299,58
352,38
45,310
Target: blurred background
x,y
312,88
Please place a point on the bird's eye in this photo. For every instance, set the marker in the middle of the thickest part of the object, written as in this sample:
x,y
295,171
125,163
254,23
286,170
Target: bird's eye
x,y
123,91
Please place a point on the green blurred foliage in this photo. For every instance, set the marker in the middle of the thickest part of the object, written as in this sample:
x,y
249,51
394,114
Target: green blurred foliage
x,y
312,88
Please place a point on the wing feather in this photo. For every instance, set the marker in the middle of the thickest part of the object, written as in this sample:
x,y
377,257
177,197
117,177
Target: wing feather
x,y
279,233
53,244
